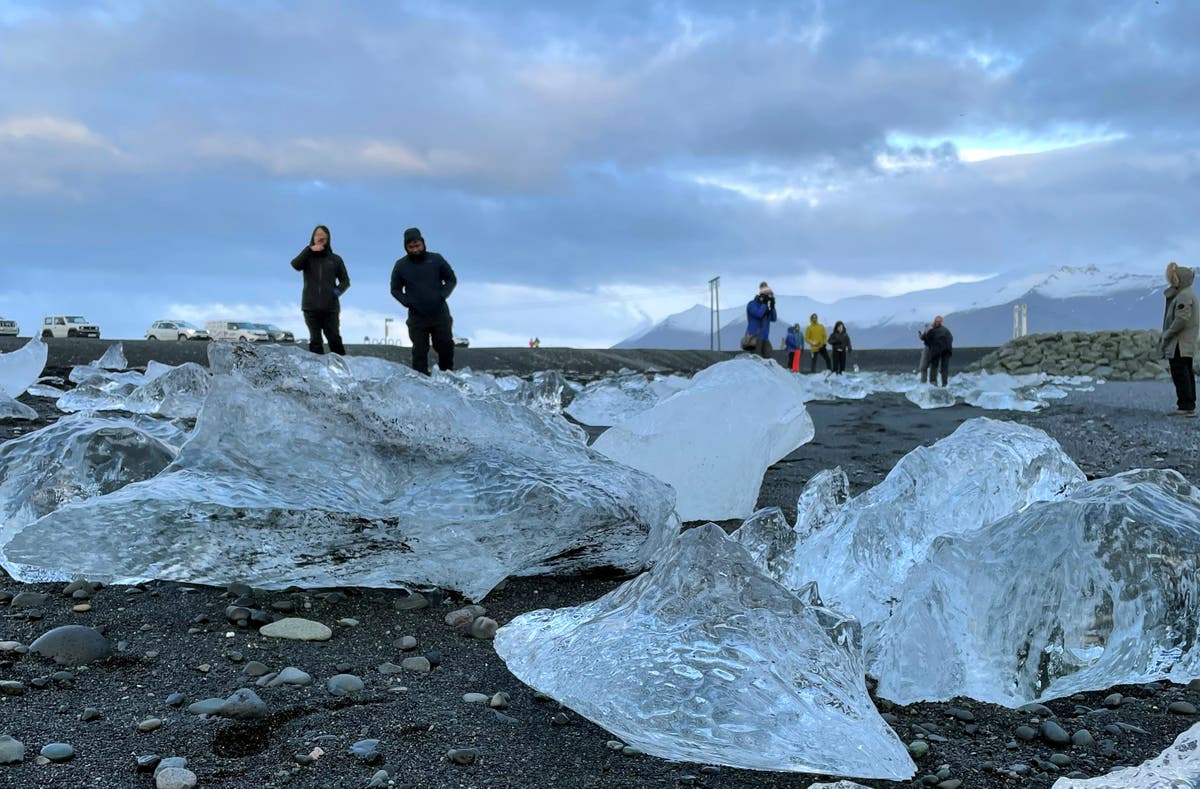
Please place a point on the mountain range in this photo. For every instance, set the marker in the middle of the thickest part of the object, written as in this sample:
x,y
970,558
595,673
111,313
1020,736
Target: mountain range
x,y
978,313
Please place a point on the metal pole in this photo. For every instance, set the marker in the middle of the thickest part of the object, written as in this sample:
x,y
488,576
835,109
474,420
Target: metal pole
x,y
1024,319
714,313
1016,321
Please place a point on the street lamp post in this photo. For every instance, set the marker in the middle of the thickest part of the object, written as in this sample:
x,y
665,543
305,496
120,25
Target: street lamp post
x,y
386,321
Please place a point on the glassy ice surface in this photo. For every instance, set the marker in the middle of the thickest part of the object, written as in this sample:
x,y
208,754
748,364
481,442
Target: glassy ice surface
x,y
1178,767
176,392
610,401
772,542
706,659
1082,593
19,369
11,409
859,552
713,440
299,472
77,458
45,390
113,358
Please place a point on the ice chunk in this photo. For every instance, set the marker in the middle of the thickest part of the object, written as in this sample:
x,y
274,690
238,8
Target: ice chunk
x,y
926,396
45,390
20,368
113,358
76,458
705,659
860,552
772,542
1178,767
11,409
175,392
1083,593
610,401
713,440
300,473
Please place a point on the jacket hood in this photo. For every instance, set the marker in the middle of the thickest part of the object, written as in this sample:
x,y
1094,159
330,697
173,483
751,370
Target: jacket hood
x,y
1186,276
412,234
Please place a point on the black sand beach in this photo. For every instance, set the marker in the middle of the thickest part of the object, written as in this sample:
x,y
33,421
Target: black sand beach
x,y
176,639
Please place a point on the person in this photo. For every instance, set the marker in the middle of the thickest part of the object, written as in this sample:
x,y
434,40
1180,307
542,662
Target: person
x,y
840,342
923,365
940,343
530,342
325,280
1181,323
816,338
422,281
760,313
792,345
537,342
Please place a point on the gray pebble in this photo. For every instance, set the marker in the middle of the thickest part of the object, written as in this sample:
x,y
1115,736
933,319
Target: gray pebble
x,y
175,700
1026,733
411,603
169,762
407,643
462,755
389,668
1041,710
89,714
918,748
963,715
10,687
1182,708
499,701
630,750
73,645
175,778
244,704
614,745
58,752
29,600
148,762
1113,700
379,779
1055,734
1060,760
484,628
11,750
1082,739
366,751
255,669
475,698
290,676
150,724
416,664
344,684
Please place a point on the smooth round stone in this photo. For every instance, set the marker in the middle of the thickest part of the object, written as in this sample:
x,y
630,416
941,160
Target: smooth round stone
x,y
175,778
169,762
344,684
499,701
348,622
291,676
58,752
484,627
255,669
366,750
630,750
1026,733
1060,760
1054,734
1082,738
89,714
29,600
16,646
411,603
1033,708
150,724
416,664
73,645
475,698
614,745
1182,708
406,643
10,687
918,748
206,707
965,716
1113,700
462,755
148,762
297,629
389,668
244,704
11,750
379,780
175,700
82,608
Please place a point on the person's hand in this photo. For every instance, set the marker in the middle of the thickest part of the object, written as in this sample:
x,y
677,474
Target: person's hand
x,y
337,292
318,247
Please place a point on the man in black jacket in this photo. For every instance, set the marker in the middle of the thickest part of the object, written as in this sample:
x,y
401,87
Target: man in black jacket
x,y
422,281
940,343
325,280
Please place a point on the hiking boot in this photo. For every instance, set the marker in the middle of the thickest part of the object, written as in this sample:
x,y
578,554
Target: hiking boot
x,y
1185,412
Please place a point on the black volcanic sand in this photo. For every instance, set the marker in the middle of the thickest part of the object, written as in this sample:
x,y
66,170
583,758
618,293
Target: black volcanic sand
x,y
176,639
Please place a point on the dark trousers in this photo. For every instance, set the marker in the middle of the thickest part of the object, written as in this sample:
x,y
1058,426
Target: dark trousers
x,y
937,363
823,352
442,336
324,322
839,360
1184,378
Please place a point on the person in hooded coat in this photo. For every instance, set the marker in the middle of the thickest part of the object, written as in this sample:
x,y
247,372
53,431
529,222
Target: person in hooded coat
x,y
760,313
839,341
792,345
816,338
940,343
325,280
1181,323
422,281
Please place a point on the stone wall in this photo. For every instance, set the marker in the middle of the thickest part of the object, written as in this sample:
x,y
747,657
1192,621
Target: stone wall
x,y
1130,355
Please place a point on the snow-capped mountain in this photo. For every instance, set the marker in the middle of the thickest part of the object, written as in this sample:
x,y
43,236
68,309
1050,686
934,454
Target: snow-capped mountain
x,y
978,313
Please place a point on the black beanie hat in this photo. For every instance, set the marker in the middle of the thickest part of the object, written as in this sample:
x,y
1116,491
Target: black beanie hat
x,y
412,234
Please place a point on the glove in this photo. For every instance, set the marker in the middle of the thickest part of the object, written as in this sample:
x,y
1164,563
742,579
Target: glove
x,y
337,292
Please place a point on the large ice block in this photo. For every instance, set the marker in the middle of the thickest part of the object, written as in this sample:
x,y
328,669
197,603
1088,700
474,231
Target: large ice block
x,y
1178,767
612,400
706,659
713,440
12,409
1082,593
300,473
19,369
113,358
859,552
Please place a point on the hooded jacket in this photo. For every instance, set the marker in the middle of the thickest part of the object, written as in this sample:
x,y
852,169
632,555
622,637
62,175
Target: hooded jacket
x,y
1181,318
325,278
793,342
840,340
759,314
939,341
815,336
422,283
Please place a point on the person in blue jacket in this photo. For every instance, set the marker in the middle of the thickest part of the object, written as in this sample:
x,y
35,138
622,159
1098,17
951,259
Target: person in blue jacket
x,y
760,313
793,346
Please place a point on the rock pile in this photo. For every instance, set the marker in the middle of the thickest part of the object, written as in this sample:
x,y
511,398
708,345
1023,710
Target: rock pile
x,y
1130,355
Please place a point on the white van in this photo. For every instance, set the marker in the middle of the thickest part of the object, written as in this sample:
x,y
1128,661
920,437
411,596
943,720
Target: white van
x,y
68,326
236,331
8,328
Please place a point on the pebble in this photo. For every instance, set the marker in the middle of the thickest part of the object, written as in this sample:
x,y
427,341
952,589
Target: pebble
x,y
965,716
614,745
950,783
206,707
283,606
1026,733
390,668
1054,734
290,676
631,750
464,616
344,684
255,669
11,750
1060,760
168,763
29,600
148,762
1132,729
416,664
475,698
175,700
244,704
366,751
918,748
10,687
379,779
407,643
89,714
410,603
484,628
82,608
58,752
150,724
297,629
1182,708
462,755
73,645
348,622
1113,700
1082,739
16,646
499,701
175,778
1041,710
1194,685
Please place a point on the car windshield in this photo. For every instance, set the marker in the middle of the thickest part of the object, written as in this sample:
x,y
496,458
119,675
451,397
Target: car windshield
x,y
76,319
247,326
185,325
273,327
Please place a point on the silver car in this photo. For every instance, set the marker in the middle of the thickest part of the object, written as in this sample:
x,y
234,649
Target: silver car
x,y
275,333
175,330
8,328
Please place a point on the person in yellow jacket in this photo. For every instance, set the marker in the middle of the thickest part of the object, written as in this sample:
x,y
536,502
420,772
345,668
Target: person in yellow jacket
x,y
816,338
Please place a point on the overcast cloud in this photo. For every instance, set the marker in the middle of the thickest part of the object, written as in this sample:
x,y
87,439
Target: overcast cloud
x,y
585,170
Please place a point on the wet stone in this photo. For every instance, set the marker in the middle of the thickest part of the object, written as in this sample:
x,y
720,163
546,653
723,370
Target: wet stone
x,y
1055,734
58,752
1182,708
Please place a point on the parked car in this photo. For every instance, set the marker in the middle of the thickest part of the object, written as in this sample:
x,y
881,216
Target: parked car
x,y
68,326
236,331
462,342
275,333
8,328
175,330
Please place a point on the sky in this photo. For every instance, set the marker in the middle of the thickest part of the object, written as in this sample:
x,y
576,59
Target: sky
x,y
586,168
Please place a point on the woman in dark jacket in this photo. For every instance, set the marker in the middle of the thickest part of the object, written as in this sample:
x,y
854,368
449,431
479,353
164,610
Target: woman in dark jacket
x,y
325,280
840,342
